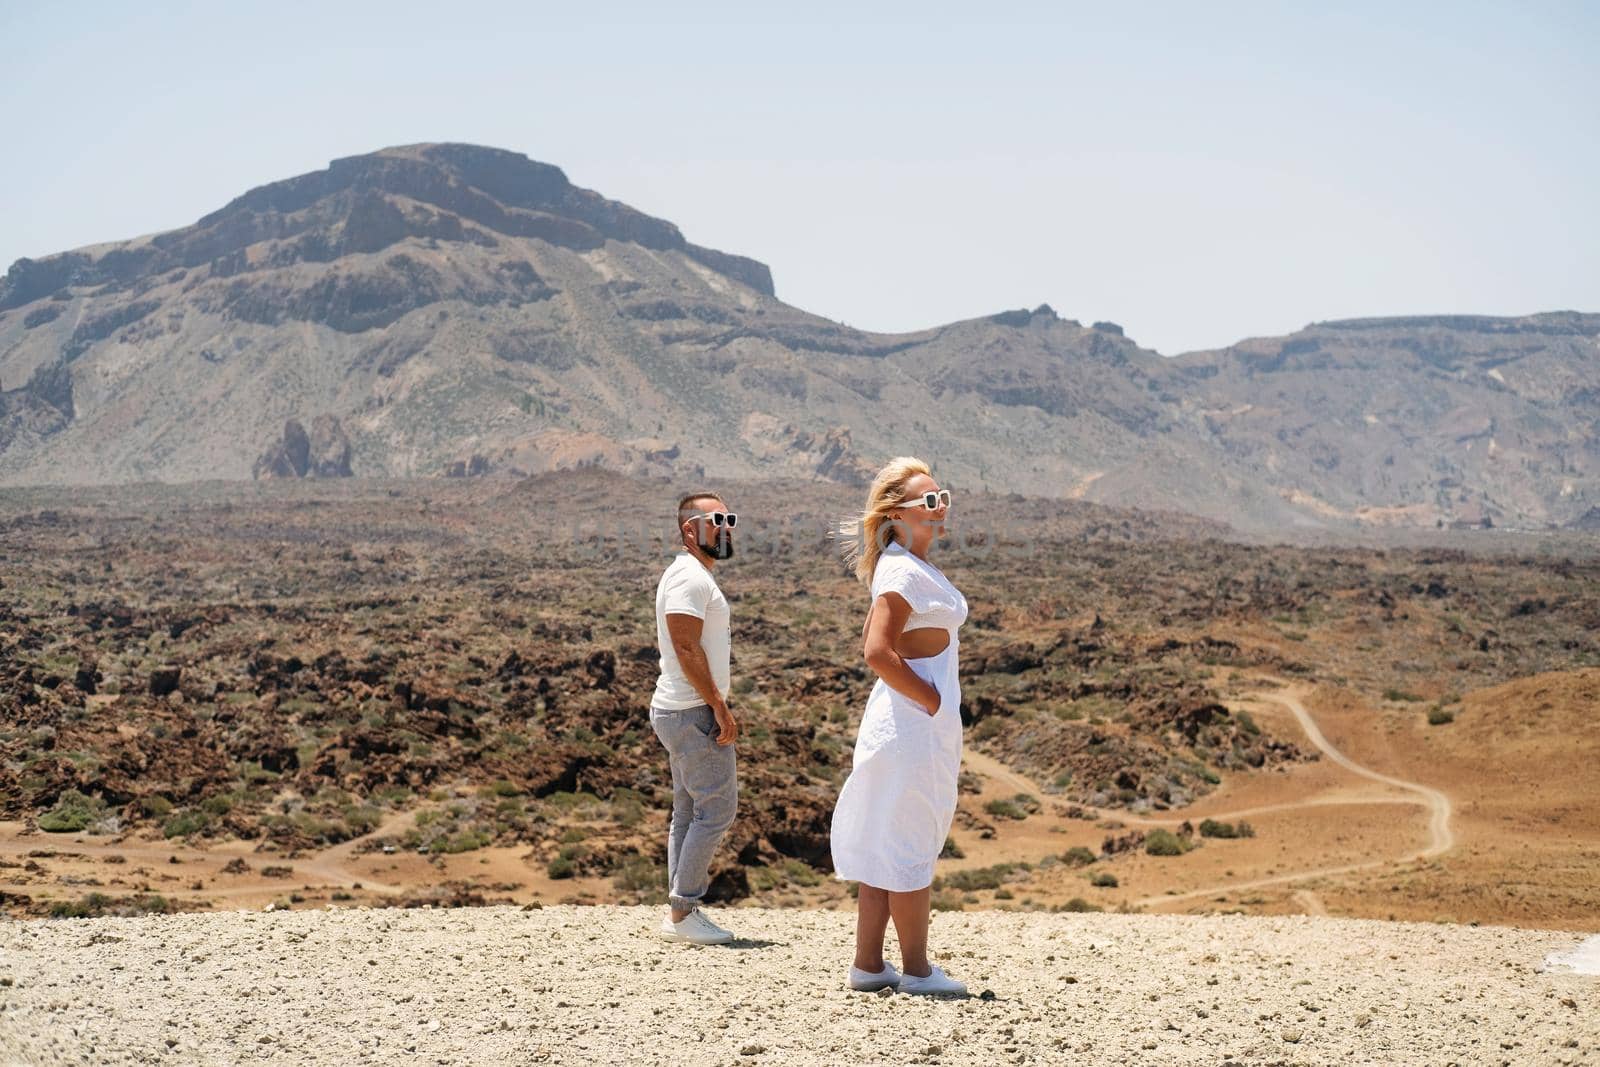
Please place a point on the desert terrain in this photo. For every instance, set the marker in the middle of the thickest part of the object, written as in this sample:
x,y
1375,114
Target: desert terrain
x,y
264,741
432,692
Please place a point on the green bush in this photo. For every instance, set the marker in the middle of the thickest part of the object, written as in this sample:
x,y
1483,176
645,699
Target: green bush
x,y
639,874
362,819
156,806
1440,716
951,850
319,829
561,867
1077,904
465,841
1004,809
82,908
801,873
1078,856
980,878
1104,880
251,772
97,904
945,902
1400,696
72,812
987,728
1165,843
217,804
627,811
1018,807
188,821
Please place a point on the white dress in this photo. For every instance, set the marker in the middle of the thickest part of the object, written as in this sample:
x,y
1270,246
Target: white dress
x,y
896,806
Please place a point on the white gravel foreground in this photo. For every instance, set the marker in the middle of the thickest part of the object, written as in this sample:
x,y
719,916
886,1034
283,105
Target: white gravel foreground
x,y
584,985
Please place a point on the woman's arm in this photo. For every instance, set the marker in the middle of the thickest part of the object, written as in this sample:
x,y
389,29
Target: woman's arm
x,y
885,621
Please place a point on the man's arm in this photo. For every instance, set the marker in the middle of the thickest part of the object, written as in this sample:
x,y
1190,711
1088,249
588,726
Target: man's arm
x,y
684,631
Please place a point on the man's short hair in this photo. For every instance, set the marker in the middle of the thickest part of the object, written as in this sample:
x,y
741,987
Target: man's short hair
x,y
684,510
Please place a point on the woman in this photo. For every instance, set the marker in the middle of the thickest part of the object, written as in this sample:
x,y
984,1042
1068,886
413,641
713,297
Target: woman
x,y
895,809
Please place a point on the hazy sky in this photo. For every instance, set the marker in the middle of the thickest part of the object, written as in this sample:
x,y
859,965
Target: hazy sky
x,y
1198,172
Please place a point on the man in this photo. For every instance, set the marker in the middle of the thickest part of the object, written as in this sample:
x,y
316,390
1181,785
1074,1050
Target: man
x,y
689,712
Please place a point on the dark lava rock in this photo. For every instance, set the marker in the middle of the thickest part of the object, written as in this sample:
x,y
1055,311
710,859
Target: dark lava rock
x,y
287,458
330,449
323,453
164,680
86,678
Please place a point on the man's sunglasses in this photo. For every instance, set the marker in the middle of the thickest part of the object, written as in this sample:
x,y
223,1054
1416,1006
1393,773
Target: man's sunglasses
x,y
931,500
718,518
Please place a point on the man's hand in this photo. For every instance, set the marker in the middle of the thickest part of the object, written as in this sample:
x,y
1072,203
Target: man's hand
x,y
727,725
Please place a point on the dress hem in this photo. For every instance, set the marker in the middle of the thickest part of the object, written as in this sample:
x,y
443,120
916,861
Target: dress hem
x,y
919,880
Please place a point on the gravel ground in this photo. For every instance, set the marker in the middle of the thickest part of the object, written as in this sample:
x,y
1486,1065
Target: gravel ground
x,y
590,985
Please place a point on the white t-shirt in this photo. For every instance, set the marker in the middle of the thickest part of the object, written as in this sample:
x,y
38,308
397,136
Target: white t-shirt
x,y
687,588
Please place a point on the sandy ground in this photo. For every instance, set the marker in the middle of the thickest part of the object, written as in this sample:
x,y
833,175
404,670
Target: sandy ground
x,y
590,985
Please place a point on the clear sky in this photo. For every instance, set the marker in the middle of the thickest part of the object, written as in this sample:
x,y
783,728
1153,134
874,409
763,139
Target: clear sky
x,y
1198,172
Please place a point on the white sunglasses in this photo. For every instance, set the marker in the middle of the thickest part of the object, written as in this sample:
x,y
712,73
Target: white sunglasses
x,y
931,500
718,518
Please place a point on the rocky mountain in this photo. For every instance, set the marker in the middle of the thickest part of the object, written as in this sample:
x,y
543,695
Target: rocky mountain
x,y
1462,419
454,310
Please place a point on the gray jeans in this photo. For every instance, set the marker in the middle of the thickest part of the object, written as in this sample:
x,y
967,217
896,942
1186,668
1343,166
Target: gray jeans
x,y
705,792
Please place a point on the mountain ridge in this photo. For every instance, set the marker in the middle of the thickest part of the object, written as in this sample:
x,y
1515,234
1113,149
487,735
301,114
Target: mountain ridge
x,y
458,309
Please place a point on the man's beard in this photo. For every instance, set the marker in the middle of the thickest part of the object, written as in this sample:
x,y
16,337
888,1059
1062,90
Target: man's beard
x,y
721,547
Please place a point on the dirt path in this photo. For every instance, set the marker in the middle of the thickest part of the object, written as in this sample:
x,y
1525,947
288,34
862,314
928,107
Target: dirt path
x,y
1441,836
1312,903
330,863
993,769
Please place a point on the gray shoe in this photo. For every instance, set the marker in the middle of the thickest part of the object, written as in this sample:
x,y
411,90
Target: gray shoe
x,y
867,982
936,982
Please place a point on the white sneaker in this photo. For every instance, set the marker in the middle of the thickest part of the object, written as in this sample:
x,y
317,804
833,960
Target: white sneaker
x,y
936,982
694,928
867,982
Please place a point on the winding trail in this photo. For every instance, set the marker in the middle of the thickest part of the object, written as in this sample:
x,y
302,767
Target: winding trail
x,y
1441,838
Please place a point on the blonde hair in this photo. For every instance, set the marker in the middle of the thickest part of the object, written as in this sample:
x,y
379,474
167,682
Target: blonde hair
x,y
863,544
